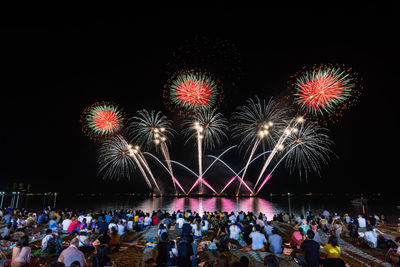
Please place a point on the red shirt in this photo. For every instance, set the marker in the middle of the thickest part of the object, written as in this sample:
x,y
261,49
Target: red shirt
x,y
155,220
74,225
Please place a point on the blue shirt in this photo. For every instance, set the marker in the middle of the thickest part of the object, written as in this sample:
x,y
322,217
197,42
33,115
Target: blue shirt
x,y
108,218
275,243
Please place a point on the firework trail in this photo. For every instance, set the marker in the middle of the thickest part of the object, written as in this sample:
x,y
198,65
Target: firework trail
x,y
308,148
144,163
291,127
149,128
257,123
209,128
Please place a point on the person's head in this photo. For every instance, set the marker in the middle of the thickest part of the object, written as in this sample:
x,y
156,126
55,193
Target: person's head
x,y
271,261
310,234
164,236
49,231
162,227
223,260
333,241
244,261
257,228
369,228
75,264
274,231
397,240
23,241
75,242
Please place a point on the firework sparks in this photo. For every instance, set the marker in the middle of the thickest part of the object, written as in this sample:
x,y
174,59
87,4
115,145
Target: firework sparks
x,y
209,128
310,149
325,91
193,91
152,128
114,160
102,120
257,123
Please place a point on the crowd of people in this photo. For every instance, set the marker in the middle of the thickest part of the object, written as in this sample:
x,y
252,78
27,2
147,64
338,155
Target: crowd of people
x,y
181,235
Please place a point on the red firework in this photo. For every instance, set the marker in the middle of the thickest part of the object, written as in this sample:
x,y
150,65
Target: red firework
x,y
323,90
193,91
102,120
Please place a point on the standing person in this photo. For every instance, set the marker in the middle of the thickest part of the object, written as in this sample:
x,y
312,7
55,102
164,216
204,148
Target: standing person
x,y
185,252
72,254
311,251
21,253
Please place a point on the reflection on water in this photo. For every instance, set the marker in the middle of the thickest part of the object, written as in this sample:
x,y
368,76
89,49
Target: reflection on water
x,y
269,206
202,205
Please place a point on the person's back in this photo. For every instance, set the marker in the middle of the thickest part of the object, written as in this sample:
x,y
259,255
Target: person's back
x,y
72,254
361,222
234,232
257,239
311,250
21,253
163,249
275,242
185,251
66,223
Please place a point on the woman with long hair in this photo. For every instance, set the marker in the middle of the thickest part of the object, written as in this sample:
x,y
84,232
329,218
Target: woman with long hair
x,y
21,253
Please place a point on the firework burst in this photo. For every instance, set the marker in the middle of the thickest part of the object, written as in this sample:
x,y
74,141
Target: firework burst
x,y
148,126
309,148
193,91
102,120
212,126
324,91
115,162
258,120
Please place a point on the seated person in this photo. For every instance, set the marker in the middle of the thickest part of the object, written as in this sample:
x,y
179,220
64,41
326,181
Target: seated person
x,y
297,239
310,257
258,239
275,242
332,249
393,254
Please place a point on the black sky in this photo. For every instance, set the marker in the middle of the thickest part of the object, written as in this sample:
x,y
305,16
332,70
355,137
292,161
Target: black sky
x,y
52,67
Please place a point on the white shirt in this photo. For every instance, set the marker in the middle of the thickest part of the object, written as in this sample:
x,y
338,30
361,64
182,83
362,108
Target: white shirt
x,y
196,231
234,232
371,237
232,218
258,240
111,225
361,222
71,254
45,240
88,219
121,229
180,222
129,225
147,221
205,227
65,224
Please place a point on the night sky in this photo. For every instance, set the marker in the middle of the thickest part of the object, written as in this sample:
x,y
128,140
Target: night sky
x,y
51,68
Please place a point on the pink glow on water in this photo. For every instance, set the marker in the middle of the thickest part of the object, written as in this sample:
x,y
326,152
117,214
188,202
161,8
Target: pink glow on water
x,y
227,205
